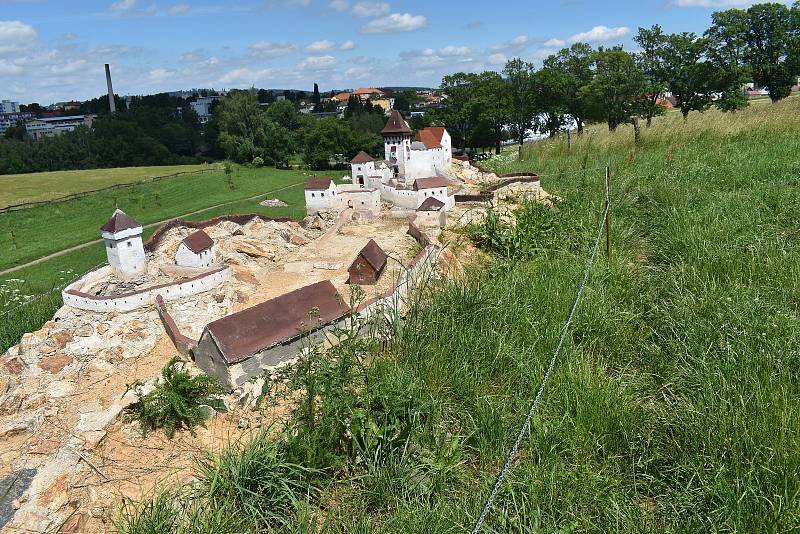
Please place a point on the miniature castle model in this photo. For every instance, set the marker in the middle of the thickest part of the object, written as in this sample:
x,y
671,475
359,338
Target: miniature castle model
x,y
368,265
124,248
195,251
411,173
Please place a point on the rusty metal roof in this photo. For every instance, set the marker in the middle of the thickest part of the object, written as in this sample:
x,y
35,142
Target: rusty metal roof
x,y
430,183
362,157
431,204
198,242
243,334
119,222
374,255
396,125
317,184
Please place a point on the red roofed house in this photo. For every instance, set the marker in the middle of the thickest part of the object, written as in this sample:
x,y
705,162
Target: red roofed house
x,y
432,212
368,265
124,249
195,251
242,345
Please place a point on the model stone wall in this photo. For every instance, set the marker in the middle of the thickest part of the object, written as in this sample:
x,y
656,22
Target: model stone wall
x,y
138,299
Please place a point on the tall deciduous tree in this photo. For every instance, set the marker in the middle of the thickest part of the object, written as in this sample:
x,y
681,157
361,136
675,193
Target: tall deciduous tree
x,y
245,130
652,62
460,111
492,97
771,37
727,53
615,92
564,75
522,105
689,76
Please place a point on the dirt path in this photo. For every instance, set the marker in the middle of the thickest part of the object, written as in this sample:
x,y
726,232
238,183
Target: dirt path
x,y
157,223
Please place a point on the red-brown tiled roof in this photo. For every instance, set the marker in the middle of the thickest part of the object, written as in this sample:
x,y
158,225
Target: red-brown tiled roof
x,y
374,255
362,157
367,91
243,334
396,125
430,183
431,204
431,136
119,222
317,184
342,97
198,242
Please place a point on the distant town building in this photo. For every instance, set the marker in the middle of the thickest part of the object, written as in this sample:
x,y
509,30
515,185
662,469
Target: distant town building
x,y
368,265
9,106
10,119
197,251
52,126
202,106
124,248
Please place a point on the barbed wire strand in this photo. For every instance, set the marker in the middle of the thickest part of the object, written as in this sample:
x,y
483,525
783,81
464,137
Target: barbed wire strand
x,y
521,434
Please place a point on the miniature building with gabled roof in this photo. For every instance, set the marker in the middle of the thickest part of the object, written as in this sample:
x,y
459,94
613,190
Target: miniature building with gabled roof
x,y
242,345
368,265
195,251
362,166
432,187
320,195
122,236
432,212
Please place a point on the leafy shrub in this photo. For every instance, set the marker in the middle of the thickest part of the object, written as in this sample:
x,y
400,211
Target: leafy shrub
x,y
258,161
175,401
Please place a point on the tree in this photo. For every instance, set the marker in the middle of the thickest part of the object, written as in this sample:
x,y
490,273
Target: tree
x,y
563,76
242,133
652,63
727,53
522,109
316,98
772,41
492,101
16,131
689,77
460,111
615,93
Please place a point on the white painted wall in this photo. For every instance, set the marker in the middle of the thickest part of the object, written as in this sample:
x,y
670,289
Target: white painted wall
x,y
327,199
125,251
185,257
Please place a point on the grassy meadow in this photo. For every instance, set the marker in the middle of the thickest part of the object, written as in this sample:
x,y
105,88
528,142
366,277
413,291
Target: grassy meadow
x,y
674,407
39,186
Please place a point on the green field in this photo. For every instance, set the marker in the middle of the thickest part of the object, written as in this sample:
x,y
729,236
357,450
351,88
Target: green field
x,y
35,187
31,233
674,406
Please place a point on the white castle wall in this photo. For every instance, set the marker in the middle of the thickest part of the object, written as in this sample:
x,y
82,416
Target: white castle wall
x,y
199,284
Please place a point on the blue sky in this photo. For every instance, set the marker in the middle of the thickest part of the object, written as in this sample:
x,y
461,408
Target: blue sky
x,y
54,50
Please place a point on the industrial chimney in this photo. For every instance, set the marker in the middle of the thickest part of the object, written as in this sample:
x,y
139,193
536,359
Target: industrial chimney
x,y
111,105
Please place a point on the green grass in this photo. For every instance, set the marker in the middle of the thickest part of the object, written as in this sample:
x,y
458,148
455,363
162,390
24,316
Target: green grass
x,y
675,404
29,234
35,187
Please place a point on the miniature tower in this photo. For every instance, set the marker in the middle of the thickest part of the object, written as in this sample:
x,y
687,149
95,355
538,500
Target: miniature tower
x,y
397,142
123,239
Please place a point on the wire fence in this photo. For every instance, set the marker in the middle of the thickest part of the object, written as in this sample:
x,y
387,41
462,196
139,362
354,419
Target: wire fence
x,y
564,331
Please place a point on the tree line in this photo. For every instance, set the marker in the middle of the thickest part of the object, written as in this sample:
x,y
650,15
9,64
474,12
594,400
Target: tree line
x,y
579,84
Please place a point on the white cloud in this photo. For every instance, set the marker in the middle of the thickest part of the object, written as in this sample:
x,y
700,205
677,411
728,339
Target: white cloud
x,y
395,23
555,43
15,36
519,40
245,76
7,68
370,9
360,60
267,49
340,5
498,59
454,51
123,5
160,76
68,67
317,63
600,34
347,45
290,3
321,46
179,9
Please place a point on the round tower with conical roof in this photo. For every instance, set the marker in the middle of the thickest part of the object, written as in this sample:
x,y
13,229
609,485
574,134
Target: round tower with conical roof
x,y
124,248
397,142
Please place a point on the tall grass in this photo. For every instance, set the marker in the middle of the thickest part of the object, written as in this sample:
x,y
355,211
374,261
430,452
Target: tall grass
x,y
675,405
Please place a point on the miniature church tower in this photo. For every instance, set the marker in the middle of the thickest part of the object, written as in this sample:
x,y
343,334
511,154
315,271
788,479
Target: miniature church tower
x,y
397,142
123,239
